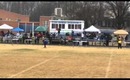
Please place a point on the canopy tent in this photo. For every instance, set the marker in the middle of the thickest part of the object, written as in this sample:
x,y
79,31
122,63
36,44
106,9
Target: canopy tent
x,y
5,26
92,29
121,32
17,29
41,28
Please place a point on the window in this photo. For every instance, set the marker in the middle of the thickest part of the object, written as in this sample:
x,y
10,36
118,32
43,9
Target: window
x,y
18,20
63,26
79,26
22,26
57,26
36,25
45,23
76,26
60,25
69,26
53,26
28,27
72,26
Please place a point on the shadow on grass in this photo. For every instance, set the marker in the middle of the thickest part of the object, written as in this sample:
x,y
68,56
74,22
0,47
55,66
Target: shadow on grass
x,y
24,49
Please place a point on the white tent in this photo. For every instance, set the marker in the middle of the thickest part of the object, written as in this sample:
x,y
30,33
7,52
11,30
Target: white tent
x,y
5,26
92,29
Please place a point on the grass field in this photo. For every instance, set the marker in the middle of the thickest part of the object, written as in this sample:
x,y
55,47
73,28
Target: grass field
x,y
34,61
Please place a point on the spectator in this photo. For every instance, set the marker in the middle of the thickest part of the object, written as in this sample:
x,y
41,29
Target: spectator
x,y
38,37
72,33
119,42
54,35
59,31
82,36
62,40
2,33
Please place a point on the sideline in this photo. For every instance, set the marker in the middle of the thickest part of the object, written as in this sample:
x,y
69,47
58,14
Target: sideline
x,y
32,67
109,64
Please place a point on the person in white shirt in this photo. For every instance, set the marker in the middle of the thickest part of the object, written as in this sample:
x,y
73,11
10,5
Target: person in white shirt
x,y
82,36
17,35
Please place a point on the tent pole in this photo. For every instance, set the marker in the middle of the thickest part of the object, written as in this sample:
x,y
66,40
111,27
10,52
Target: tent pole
x,y
32,29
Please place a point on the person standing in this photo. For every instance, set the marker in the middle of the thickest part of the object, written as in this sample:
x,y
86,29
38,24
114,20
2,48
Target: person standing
x,y
72,33
44,41
59,29
50,38
120,43
82,36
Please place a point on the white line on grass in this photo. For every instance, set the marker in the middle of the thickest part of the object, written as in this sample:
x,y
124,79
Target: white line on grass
x,y
32,67
109,64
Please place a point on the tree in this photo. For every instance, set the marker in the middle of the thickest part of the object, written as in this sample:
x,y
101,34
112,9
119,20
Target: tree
x,y
43,8
90,12
120,10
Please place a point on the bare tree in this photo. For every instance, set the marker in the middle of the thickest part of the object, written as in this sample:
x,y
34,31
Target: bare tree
x,y
120,10
6,5
43,9
91,12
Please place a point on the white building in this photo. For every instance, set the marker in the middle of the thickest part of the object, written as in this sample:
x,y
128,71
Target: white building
x,y
66,26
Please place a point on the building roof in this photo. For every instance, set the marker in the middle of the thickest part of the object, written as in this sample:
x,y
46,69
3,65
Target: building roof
x,y
1,10
68,20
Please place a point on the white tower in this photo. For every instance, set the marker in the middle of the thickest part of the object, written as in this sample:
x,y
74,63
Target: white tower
x,y
58,12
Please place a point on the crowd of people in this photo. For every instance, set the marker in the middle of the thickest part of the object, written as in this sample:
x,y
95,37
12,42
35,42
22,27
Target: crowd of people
x,y
47,37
